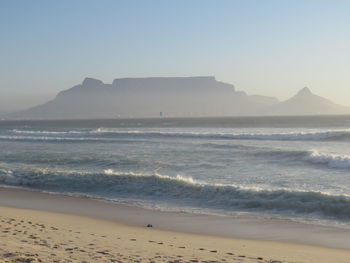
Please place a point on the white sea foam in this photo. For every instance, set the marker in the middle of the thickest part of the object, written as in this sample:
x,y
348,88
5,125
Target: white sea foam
x,y
321,135
48,138
178,178
84,135
332,160
40,132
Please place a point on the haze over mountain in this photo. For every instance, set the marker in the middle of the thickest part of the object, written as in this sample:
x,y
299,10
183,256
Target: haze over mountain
x,y
307,103
173,97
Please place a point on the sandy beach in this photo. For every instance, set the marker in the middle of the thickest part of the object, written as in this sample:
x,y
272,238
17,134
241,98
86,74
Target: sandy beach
x,y
39,229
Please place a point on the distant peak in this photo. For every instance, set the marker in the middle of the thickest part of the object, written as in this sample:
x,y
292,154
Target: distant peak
x,y
304,91
90,82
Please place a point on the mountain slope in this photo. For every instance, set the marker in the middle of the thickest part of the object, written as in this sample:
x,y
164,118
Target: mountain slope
x,y
307,103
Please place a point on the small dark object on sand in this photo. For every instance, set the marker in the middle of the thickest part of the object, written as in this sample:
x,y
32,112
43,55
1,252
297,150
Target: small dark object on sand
x,y
149,225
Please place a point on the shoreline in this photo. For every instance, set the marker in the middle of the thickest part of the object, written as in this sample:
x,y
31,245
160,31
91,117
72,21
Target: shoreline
x,y
40,227
240,227
41,236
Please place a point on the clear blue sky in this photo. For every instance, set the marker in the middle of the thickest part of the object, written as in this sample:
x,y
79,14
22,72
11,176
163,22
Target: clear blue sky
x,y
268,47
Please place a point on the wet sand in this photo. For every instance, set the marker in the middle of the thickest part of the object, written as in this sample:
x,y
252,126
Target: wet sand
x,y
32,231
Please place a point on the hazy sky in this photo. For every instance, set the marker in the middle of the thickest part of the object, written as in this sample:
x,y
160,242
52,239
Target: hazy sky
x,y
268,47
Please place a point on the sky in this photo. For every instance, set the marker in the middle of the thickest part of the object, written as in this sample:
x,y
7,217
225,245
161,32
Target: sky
x,y
266,47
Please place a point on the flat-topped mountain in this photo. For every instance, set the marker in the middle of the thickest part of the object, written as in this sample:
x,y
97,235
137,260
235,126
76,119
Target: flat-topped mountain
x,y
147,97
173,97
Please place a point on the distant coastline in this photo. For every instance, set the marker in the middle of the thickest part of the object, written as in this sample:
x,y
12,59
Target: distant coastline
x,y
193,121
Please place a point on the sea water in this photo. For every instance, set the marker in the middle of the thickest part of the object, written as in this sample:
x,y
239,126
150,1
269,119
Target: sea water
x,y
297,168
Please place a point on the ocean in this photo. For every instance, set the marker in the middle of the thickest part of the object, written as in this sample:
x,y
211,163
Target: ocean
x,y
295,168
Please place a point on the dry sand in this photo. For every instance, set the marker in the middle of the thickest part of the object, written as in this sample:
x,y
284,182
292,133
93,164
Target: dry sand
x,y
38,236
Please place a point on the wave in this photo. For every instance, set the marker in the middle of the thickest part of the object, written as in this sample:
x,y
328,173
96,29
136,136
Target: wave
x,y
332,160
40,132
49,138
291,136
227,146
181,190
115,132
89,160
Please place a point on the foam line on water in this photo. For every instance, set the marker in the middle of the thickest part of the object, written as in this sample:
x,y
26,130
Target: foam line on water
x,y
16,134
41,132
322,135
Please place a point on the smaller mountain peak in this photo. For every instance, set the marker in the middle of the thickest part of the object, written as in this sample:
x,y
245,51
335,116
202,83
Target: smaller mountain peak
x,y
304,92
90,82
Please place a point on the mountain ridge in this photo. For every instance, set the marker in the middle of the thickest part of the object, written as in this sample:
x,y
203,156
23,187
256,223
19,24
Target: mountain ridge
x,y
173,96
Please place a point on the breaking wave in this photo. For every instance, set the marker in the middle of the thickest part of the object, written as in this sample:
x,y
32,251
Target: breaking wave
x,y
291,136
181,190
332,160
114,133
